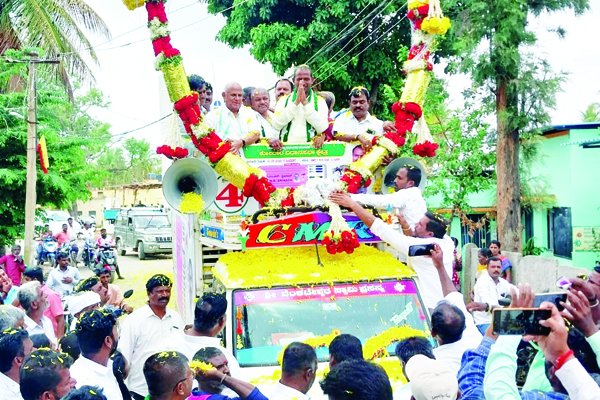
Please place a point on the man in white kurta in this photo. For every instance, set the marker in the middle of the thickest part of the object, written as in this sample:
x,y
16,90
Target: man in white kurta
x,y
260,102
301,115
407,200
233,122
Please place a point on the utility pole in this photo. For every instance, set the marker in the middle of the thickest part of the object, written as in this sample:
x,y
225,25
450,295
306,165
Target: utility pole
x,y
32,142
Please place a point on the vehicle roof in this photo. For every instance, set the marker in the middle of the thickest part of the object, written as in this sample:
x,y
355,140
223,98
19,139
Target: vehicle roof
x,y
292,266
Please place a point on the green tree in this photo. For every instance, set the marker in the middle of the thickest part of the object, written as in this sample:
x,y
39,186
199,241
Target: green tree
x,y
488,41
129,163
591,113
57,27
72,138
347,43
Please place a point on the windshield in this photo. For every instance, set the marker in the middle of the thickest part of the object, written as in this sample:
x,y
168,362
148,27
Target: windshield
x,y
269,319
151,221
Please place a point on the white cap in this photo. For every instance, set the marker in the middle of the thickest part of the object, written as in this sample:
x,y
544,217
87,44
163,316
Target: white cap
x,y
82,300
431,379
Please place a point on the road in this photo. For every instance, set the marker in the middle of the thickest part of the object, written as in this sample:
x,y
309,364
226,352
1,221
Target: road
x,y
136,272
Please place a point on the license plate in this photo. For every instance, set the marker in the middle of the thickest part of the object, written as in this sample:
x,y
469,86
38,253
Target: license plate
x,y
165,246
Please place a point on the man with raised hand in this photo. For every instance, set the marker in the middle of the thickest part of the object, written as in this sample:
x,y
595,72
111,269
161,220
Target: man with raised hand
x,y
234,123
301,116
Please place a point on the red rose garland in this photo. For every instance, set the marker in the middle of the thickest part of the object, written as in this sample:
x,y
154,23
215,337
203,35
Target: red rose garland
x,y
347,243
169,152
426,149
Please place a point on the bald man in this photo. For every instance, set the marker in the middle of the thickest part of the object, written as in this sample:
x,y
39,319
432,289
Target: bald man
x,y
234,123
260,102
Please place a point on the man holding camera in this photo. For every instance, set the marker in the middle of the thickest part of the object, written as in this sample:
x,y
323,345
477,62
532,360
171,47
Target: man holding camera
x,y
430,229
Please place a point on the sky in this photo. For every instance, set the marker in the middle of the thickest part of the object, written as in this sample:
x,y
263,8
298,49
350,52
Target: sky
x,y
127,77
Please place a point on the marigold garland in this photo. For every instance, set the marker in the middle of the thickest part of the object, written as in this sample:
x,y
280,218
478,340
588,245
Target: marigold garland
x,y
199,367
191,203
314,342
376,346
284,266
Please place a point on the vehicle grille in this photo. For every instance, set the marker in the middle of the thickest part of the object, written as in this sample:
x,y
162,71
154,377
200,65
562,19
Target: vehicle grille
x,y
163,239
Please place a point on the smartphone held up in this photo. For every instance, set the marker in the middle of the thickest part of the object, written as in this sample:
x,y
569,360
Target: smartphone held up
x,y
520,321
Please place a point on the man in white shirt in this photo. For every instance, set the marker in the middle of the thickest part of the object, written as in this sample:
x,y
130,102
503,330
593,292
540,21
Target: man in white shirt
x,y
260,102
408,199
234,123
98,337
63,278
452,326
298,372
302,115
431,229
45,375
489,289
209,322
144,331
357,123
87,233
35,302
15,345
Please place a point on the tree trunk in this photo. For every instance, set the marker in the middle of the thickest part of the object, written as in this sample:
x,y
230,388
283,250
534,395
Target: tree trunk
x,y
507,170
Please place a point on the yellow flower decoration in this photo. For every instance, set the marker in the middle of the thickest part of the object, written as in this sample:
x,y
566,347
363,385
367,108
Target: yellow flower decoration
x,y
191,203
375,346
436,25
314,342
200,366
298,265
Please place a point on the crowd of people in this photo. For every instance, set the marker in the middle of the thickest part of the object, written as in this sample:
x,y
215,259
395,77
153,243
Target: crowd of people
x,y
300,115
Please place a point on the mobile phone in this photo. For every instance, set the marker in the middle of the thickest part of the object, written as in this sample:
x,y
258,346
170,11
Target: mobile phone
x,y
420,250
520,321
554,298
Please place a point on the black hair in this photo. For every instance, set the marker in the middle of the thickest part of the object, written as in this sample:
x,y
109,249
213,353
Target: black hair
x,y
301,67
358,91
448,321
208,87
35,273
62,255
487,253
101,271
436,224
119,365
40,340
412,346
68,344
286,80
455,241
357,380
497,243
163,370
157,281
87,284
210,308
85,393
413,174
297,358
40,372
494,259
196,82
346,347
11,346
206,353
92,329
582,350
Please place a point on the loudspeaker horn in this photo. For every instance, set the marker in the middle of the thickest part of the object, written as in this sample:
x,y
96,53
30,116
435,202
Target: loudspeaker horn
x,y
189,175
389,174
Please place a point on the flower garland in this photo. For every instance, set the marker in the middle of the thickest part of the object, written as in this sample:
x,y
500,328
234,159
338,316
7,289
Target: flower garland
x,y
169,152
286,266
375,347
199,367
314,342
339,238
191,203
426,18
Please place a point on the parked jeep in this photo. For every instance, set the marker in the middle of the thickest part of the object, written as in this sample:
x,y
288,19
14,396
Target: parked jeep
x,y
146,230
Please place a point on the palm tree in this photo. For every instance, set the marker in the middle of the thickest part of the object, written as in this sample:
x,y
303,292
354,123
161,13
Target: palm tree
x,y
55,26
592,113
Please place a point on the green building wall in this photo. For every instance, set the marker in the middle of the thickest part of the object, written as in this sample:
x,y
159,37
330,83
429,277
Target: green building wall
x,y
573,173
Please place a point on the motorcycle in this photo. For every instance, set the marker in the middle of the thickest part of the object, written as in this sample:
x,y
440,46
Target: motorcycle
x,y
107,260
70,248
48,251
89,253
